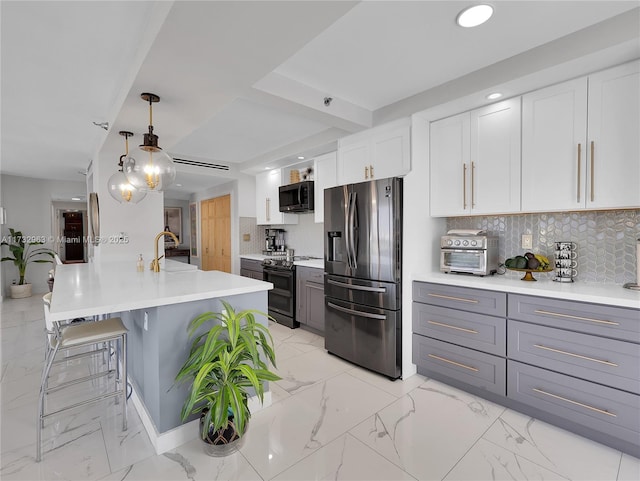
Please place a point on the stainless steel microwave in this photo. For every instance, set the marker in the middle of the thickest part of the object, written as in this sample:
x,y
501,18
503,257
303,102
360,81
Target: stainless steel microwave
x,y
296,197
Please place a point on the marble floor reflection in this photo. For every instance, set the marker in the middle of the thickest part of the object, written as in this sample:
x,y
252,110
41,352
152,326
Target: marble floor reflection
x,y
329,420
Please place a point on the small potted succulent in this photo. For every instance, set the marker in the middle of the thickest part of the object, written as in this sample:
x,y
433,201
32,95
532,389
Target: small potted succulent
x,y
23,254
227,362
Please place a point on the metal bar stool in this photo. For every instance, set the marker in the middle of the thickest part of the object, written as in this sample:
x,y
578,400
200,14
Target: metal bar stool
x,y
63,337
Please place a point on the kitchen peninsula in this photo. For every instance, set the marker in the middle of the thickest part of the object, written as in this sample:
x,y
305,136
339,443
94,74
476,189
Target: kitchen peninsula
x,y
156,308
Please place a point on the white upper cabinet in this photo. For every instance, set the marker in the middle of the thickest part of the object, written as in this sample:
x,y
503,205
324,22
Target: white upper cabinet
x,y
580,147
475,161
377,153
325,176
267,202
614,138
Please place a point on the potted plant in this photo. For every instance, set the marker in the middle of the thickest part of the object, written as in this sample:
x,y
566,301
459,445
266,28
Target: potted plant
x,y
226,362
23,254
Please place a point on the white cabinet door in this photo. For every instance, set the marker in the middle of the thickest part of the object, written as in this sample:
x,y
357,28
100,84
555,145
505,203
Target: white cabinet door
x,y
325,176
391,153
267,203
353,161
554,147
613,166
495,158
449,155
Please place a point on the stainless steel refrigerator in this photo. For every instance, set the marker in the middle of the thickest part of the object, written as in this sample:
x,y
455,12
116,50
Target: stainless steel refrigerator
x,y
363,262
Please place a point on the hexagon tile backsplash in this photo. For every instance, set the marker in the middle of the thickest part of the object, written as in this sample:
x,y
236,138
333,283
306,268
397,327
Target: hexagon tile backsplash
x,y
606,240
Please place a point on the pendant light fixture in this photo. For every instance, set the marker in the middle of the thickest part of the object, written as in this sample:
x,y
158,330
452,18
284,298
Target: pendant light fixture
x,y
154,169
119,186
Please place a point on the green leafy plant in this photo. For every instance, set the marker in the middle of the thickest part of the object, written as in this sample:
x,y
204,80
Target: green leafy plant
x,y
23,254
224,363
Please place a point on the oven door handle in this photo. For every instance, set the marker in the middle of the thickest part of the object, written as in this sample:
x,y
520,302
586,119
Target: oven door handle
x,y
380,317
467,251
357,288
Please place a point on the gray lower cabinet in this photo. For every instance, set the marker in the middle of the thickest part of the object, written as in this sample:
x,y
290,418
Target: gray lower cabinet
x,y
573,364
310,297
251,268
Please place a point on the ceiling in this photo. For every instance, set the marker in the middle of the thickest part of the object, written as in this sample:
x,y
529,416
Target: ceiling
x,y
242,84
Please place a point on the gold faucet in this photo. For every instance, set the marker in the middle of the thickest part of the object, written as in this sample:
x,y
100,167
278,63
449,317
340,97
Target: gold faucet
x,y
155,263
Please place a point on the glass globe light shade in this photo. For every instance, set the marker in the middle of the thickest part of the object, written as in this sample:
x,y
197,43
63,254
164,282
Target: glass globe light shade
x,y
122,191
153,171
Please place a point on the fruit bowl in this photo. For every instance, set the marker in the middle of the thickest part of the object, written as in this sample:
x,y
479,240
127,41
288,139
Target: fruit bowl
x,y
529,276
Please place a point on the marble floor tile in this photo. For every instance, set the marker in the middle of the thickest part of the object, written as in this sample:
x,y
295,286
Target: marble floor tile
x,y
570,456
290,430
189,463
486,461
629,468
308,368
277,393
301,339
344,459
428,430
397,388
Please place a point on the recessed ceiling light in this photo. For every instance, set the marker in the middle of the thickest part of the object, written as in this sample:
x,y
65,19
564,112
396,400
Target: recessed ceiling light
x,y
268,168
178,185
474,16
301,157
494,95
75,198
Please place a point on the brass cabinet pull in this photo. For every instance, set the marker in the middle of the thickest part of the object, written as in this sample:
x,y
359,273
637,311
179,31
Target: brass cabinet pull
x,y
461,299
578,318
593,175
268,209
453,362
586,406
464,186
435,323
371,171
366,172
473,174
579,168
546,348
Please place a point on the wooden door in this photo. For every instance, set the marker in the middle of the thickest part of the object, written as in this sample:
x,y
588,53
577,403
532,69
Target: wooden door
x,y
216,233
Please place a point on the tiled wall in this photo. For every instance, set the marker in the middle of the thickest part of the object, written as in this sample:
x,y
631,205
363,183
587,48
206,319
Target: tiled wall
x,y
606,239
255,244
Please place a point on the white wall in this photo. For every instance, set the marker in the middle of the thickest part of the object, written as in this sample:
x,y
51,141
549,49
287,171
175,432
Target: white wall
x,y
139,222
28,203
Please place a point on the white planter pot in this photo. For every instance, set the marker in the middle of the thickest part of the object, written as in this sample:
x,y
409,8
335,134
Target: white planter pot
x,y
20,291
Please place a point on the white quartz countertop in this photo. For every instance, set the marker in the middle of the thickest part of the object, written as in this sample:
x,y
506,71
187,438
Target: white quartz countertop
x,y
91,289
609,294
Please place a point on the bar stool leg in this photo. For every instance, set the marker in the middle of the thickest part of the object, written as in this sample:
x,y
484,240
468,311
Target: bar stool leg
x,y
45,377
123,381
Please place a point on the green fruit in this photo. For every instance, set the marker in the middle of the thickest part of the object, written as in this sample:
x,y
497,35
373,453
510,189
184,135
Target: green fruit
x,y
511,262
521,262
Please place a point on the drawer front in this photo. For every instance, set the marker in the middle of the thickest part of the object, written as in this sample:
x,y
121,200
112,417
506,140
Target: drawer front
x,y
616,322
468,329
464,298
605,361
466,365
602,408
251,264
311,274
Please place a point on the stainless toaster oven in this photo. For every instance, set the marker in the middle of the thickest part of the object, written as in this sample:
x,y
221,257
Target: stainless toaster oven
x,y
469,252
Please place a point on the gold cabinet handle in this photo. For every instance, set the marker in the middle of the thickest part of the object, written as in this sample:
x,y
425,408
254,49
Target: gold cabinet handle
x,y
473,174
578,318
371,171
453,362
461,299
470,331
268,209
586,406
566,353
464,186
593,175
366,172
579,169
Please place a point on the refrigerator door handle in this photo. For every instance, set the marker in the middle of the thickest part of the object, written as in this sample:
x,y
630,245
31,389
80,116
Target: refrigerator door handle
x,y
353,223
347,230
380,317
357,288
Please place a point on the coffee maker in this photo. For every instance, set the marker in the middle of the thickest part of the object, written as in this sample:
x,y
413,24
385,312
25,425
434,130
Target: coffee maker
x,y
274,241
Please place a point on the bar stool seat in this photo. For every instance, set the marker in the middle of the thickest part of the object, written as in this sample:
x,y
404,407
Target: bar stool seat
x,y
69,336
